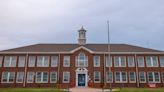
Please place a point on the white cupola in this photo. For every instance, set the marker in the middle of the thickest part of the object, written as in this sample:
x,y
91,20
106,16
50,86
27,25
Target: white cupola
x,y
82,36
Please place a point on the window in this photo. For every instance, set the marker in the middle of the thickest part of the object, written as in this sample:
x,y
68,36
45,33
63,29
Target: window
x,y
97,77
10,61
109,77
162,74
53,77
8,77
119,61
42,61
21,62
142,77
81,60
66,62
152,61
30,77
131,62
96,61
41,77
153,77
162,61
108,62
20,76
66,77
132,77
120,77
31,62
54,61
1,59
140,61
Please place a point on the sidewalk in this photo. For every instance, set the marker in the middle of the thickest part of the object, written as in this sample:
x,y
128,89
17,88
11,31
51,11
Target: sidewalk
x,y
86,89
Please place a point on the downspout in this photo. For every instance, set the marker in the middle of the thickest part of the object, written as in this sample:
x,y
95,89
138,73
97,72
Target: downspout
x,y
25,71
104,71
59,70
137,75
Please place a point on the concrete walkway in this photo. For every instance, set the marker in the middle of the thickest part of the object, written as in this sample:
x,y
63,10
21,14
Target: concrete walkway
x,y
86,89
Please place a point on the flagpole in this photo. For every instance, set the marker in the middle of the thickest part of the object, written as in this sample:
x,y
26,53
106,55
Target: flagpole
x,y
109,49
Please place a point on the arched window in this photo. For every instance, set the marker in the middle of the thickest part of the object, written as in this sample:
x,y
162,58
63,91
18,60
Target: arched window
x,y
81,60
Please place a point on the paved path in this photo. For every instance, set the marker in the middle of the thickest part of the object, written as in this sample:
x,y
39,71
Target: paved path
x,y
86,89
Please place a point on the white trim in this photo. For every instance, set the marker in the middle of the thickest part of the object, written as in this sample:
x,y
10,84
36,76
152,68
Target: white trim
x,y
121,79
68,52
130,77
66,72
140,77
81,47
51,77
82,71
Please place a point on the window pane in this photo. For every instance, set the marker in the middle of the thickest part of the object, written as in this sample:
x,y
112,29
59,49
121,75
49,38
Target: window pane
x,y
39,77
13,61
108,62
54,61
66,77
116,61
140,61
155,61
7,61
20,76
162,76
123,61
4,77
124,76
96,76
131,61
132,77
30,77
45,77
21,62
162,61
109,77
10,61
142,77
53,77
11,76
117,76
31,61
1,59
66,61
148,61
157,77
96,61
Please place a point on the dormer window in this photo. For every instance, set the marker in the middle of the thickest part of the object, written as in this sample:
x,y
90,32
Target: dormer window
x,y
81,60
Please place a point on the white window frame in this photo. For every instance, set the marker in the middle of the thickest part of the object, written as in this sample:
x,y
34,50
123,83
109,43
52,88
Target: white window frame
x,y
143,62
1,60
29,77
96,62
21,63
11,62
161,61
8,77
133,62
152,61
153,75
54,61
140,77
121,78
41,61
134,77
42,77
162,76
108,63
20,74
66,61
52,77
107,76
82,63
99,74
64,74
119,61
31,61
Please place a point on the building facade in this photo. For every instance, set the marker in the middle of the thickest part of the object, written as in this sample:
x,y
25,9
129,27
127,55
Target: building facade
x,y
78,65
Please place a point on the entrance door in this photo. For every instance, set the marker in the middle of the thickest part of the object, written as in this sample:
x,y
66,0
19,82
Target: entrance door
x,y
81,79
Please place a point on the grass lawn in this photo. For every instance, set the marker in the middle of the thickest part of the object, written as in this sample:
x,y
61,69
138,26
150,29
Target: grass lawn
x,y
29,90
142,90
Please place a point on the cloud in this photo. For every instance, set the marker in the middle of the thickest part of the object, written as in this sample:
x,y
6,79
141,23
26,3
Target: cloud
x,y
138,22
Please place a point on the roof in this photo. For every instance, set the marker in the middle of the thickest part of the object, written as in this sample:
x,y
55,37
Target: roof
x,y
70,47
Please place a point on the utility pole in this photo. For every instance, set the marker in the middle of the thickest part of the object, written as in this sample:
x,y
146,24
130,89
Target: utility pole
x,y
109,50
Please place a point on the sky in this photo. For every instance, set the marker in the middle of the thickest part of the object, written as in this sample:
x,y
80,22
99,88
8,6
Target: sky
x,y
135,22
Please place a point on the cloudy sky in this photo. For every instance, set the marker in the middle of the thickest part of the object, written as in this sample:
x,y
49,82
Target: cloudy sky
x,y
136,22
